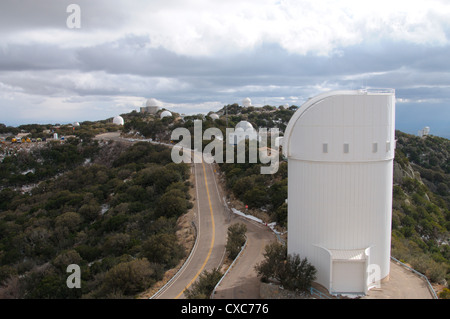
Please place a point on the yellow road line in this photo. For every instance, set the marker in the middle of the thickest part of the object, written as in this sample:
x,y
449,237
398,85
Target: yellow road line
x,y
212,241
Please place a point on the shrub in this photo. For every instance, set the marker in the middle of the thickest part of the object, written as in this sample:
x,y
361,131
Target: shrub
x,y
204,286
236,239
163,249
290,271
128,278
297,273
274,256
427,266
445,294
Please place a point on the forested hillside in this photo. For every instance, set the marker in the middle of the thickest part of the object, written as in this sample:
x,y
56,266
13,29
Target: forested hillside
x,y
110,208
420,215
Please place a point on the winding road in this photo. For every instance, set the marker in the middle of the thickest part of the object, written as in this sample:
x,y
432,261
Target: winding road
x,y
212,219
211,223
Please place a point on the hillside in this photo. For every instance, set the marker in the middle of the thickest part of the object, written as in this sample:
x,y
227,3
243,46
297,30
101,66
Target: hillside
x,y
110,208
421,217
107,206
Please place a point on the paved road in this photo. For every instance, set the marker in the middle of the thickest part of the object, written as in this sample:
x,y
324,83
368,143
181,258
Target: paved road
x,y
212,225
212,222
241,282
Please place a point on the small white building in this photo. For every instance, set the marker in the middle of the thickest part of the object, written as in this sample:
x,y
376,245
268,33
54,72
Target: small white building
x,y
151,106
165,114
340,151
424,132
246,102
118,120
243,130
214,116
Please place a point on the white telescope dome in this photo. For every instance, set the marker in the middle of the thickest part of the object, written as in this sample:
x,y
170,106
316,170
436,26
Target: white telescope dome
x,y
153,102
118,120
214,116
165,114
247,102
244,125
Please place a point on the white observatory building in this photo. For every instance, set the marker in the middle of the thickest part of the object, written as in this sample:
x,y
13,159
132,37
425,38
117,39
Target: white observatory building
x,y
151,106
118,120
340,150
214,116
165,114
243,130
246,102
424,132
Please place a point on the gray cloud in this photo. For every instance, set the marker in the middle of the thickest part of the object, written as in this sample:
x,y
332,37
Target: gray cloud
x,y
187,57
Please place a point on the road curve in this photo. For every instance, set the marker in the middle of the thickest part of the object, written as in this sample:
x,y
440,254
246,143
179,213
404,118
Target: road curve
x,y
242,282
212,220
211,223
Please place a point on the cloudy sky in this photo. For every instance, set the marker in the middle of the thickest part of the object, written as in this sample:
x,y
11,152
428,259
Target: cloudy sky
x,y
198,55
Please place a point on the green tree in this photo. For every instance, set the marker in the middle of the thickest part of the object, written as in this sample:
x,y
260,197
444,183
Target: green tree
x,y
204,286
274,257
67,258
235,239
172,204
117,244
69,220
128,278
290,271
297,273
255,197
163,249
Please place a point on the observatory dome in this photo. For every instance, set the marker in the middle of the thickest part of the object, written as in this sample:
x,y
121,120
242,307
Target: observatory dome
x,y
214,116
340,148
152,102
165,114
243,130
76,124
118,120
247,102
244,125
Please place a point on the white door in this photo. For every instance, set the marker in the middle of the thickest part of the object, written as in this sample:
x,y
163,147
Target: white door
x,y
348,276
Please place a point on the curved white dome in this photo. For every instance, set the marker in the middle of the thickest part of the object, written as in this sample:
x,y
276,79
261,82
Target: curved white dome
x,y
118,120
214,116
244,125
165,114
152,102
76,124
247,102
